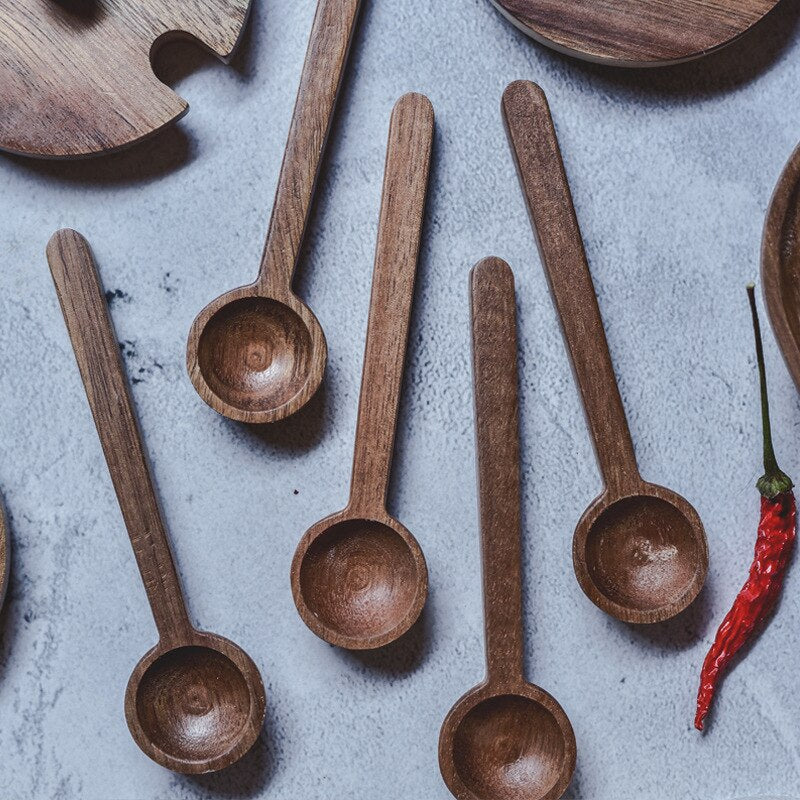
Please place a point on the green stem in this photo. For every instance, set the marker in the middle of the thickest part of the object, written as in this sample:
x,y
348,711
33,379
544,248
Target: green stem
x,y
774,481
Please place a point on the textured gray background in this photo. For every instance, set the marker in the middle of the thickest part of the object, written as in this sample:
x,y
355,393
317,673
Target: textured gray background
x,y
671,172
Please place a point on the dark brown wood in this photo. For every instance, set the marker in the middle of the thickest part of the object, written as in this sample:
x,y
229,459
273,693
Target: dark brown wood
x,y
359,578
640,551
780,264
75,75
195,703
635,33
257,354
506,737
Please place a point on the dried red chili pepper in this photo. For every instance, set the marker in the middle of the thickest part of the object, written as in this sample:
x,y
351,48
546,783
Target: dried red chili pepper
x,y
774,546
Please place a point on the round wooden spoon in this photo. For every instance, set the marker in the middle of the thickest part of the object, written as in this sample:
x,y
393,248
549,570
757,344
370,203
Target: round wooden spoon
x,y
195,703
359,578
257,354
635,33
506,737
780,264
640,552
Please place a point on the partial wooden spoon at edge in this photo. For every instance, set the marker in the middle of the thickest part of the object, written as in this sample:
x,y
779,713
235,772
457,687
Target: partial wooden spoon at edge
x,y
506,738
780,264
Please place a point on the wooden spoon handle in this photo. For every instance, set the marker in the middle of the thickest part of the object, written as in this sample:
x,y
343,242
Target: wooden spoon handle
x,y
405,186
320,82
97,352
494,359
544,183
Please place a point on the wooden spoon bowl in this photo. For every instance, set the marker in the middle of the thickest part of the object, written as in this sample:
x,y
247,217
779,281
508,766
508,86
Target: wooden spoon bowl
x,y
780,264
195,704
641,557
514,743
258,359
359,583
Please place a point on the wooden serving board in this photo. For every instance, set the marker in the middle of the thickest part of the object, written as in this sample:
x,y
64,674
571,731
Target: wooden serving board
x,y
636,33
76,77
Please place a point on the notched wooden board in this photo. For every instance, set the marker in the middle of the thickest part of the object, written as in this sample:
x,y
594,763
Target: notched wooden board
x,y
76,77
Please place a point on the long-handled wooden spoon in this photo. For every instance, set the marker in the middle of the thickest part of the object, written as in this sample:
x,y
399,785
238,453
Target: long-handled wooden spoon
x,y
780,264
640,552
359,578
257,354
506,738
195,703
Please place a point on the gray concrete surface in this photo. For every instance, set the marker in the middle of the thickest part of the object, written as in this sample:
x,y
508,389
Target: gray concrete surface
x,y
671,171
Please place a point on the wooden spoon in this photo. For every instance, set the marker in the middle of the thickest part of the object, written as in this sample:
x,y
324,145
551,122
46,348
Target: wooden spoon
x,y
635,33
359,578
257,354
195,703
506,738
780,264
640,552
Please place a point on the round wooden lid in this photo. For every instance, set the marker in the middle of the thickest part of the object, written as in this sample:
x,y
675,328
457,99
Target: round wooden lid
x,y
635,33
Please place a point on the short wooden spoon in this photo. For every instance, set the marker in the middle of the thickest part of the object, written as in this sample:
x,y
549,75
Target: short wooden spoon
x,y
640,552
195,703
359,578
780,264
257,354
506,738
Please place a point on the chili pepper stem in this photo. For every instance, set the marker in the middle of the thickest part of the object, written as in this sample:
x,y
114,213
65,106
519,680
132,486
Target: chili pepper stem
x,y
774,481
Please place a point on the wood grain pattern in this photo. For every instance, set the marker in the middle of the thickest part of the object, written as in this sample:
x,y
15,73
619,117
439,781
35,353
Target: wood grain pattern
x,y
257,354
640,551
635,33
76,76
506,737
359,578
780,264
195,703
5,555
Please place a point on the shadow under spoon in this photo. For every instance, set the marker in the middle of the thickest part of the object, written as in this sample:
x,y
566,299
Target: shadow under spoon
x,y
780,264
506,738
5,555
359,578
639,551
257,354
195,703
